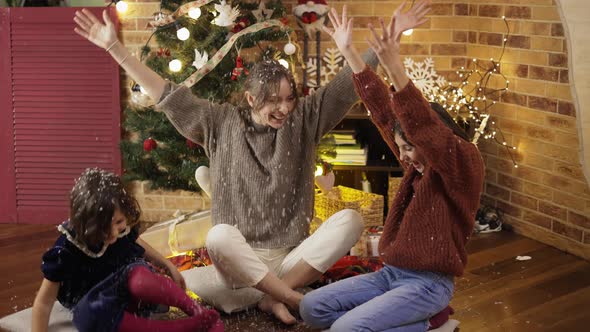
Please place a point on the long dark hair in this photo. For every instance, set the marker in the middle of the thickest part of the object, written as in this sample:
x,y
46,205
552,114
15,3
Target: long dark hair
x,y
444,116
264,81
93,201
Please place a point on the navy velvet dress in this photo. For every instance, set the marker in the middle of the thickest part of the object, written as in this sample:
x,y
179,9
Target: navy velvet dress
x,y
94,288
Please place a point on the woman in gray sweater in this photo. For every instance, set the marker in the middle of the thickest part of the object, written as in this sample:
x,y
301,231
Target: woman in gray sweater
x,y
262,159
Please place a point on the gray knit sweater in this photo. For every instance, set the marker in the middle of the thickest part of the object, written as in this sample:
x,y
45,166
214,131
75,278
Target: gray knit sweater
x,y
262,179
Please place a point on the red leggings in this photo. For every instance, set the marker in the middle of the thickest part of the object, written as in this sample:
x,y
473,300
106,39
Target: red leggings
x,y
147,286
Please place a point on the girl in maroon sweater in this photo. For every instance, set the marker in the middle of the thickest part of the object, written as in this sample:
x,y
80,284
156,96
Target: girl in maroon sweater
x,y
432,215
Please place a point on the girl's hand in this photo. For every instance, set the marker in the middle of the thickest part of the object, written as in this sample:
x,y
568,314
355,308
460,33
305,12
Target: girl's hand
x,y
400,22
176,276
342,31
89,27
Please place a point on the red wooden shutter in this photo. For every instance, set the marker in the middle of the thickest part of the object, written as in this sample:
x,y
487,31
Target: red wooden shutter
x,y
64,109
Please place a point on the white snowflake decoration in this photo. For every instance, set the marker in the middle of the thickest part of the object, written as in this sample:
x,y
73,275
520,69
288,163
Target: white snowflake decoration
x,y
227,14
200,59
332,63
424,76
262,13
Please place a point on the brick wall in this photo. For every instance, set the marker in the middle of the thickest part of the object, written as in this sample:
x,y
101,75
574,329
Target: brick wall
x,y
546,197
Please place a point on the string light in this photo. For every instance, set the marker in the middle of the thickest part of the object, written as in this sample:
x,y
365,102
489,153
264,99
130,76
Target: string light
x,y
121,6
175,65
181,32
194,13
408,32
471,96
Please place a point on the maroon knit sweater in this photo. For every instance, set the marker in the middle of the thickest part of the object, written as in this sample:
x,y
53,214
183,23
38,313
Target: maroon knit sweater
x,y
432,215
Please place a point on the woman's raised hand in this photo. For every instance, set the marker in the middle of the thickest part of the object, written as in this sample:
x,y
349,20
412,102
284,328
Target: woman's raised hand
x,y
342,29
91,28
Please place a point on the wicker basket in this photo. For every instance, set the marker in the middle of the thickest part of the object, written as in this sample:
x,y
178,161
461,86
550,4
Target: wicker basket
x,y
392,189
370,206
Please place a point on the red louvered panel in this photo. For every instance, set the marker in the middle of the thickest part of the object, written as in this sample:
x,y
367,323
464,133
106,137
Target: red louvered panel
x,y
61,114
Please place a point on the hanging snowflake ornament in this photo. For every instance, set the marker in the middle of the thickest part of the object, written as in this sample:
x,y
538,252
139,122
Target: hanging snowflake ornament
x,y
262,13
311,14
227,14
200,59
161,19
424,76
332,63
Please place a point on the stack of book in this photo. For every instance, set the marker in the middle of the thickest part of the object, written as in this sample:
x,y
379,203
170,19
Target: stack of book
x,y
348,151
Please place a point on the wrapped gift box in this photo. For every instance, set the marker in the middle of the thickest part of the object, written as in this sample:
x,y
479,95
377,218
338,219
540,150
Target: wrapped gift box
x,y
176,236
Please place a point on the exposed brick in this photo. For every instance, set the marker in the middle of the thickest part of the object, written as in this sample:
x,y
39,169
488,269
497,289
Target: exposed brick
x,y
543,104
521,12
537,219
519,42
564,153
564,76
558,60
552,210
514,98
413,49
535,190
524,201
547,44
473,10
487,200
543,73
568,170
472,37
557,30
497,192
561,122
578,219
567,230
539,161
459,36
511,69
494,39
490,11
509,182
586,237
509,209
441,9
457,63
566,108
448,49
534,28
461,9
540,132
569,201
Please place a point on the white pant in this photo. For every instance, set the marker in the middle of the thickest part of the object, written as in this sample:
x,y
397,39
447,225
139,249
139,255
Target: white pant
x,y
237,267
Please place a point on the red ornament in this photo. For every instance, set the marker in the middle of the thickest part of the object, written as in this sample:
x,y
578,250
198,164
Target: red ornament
x,y
284,20
163,52
149,144
309,17
239,70
191,144
240,25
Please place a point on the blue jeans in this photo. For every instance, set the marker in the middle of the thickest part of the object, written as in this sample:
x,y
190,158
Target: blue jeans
x,y
390,299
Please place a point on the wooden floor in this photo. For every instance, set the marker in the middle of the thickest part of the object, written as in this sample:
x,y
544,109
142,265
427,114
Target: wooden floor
x,y
550,292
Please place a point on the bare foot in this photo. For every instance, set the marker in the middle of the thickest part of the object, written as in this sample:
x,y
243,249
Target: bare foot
x,y
279,309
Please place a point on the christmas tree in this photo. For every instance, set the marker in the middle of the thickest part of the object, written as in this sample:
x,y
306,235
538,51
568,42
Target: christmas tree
x,y
190,35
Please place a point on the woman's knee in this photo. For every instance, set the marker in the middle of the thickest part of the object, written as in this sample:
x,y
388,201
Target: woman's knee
x,y
219,236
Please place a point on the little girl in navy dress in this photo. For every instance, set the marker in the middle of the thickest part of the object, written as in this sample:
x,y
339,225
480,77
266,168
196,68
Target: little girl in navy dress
x,y
97,267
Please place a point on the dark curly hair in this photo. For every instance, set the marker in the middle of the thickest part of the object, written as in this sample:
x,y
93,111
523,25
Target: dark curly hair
x,y
443,115
265,80
93,201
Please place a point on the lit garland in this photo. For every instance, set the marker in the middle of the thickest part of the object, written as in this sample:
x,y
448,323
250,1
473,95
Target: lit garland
x,y
472,96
